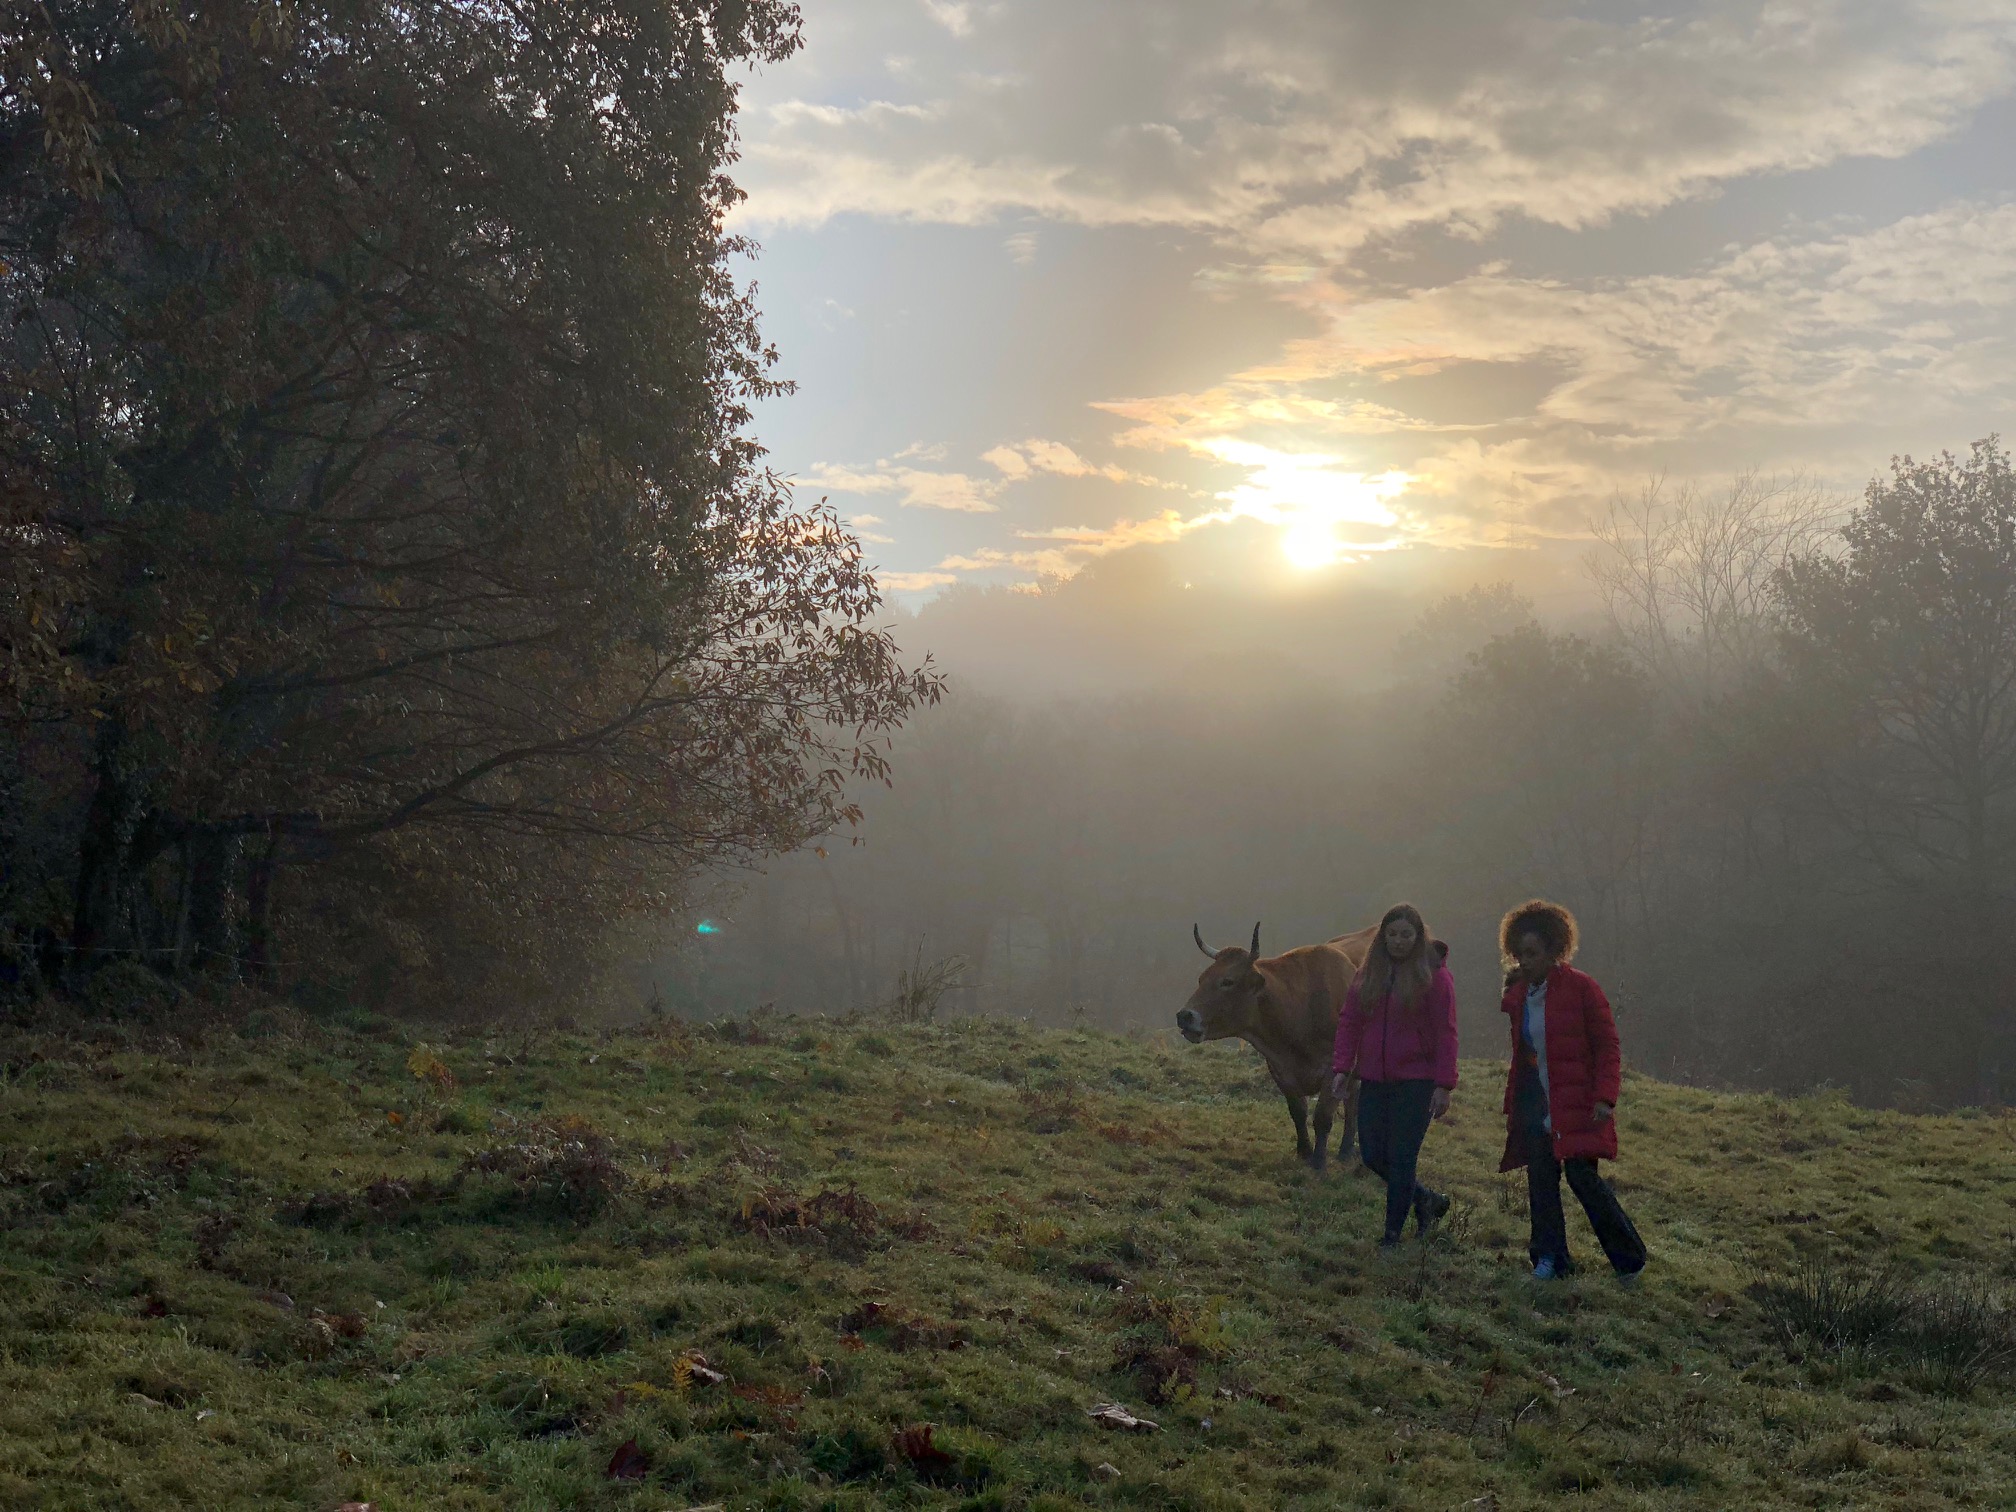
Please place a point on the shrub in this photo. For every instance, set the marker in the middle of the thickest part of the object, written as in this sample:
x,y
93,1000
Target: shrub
x,y
921,989
561,1162
126,989
840,1218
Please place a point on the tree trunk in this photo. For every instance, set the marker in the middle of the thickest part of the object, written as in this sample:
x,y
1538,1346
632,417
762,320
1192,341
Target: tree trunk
x,y
100,853
259,905
211,898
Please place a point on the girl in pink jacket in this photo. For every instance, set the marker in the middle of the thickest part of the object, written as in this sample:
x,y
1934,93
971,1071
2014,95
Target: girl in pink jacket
x,y
1398,1033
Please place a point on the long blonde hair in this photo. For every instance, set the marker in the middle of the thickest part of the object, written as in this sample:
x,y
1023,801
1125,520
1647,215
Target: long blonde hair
x,y
1409,979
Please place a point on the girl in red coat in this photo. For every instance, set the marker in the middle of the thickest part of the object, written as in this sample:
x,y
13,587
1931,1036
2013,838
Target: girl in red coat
x,y
1397,1032
1561,1096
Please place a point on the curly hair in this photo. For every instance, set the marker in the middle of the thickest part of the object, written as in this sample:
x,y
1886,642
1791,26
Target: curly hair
x,y
1553,923
1381,974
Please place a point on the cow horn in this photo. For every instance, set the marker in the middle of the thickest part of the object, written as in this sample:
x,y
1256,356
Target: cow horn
x,y
1255,951
1198,935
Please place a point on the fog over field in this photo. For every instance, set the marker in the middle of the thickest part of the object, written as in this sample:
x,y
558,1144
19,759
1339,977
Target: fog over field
x,y
1678,748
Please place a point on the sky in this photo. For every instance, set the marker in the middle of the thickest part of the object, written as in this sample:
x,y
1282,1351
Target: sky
x,y
1281,297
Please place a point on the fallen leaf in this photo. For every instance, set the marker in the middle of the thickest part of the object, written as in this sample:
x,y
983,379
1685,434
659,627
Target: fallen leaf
x,y
395,1118
628,1463
1113,1415
342,1325
691,1369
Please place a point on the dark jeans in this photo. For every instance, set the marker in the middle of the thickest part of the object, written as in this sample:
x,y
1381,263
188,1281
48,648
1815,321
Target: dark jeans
x,y
1614,1230
1392,1121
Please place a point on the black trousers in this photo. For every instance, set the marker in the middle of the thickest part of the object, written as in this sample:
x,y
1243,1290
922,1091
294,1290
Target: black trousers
x,y
1392,1122
1613,1226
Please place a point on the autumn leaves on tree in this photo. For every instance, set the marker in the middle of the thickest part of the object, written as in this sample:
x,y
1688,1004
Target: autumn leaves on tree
x,y
392,592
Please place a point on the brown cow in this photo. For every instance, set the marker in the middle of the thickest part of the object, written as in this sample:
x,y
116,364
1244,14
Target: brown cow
x,y
1285,1007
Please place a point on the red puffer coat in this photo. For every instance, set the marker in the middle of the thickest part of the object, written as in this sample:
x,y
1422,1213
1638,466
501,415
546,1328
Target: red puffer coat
x,y
1585,1066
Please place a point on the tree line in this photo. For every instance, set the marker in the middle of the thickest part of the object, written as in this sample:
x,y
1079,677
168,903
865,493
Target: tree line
x,y
1778,785
391,595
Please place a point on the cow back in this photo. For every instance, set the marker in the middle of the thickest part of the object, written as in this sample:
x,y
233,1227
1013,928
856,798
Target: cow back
x,y
1305,993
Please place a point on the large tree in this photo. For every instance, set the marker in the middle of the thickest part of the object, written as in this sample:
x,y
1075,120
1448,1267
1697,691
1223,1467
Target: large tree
x,y
374,432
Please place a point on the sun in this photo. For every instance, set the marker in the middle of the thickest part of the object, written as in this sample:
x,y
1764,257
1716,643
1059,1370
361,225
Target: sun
x,y
1310,544
1325,514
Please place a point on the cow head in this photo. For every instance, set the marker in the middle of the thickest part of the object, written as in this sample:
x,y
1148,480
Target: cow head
x,y
1228,990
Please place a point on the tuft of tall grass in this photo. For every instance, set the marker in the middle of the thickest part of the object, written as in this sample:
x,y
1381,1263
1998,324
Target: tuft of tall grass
x,y
1949,1333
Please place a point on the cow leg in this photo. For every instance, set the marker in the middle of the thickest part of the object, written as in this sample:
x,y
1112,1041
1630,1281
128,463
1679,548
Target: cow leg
x,y
1298,1111
1349,1104
1326,1109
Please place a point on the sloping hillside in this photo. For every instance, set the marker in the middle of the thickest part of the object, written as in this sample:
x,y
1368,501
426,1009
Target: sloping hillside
x,y
283,1266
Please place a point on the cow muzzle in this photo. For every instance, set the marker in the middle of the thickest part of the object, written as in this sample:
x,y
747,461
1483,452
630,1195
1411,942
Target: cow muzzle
x,y
1190,1023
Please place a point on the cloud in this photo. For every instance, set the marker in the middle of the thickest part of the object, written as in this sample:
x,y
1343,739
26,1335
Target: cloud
x,y
1252,403
1325,514
956,16
914,488
1061,551
1021,248
914,582
1780,334
1292,131
1772,352
1025,459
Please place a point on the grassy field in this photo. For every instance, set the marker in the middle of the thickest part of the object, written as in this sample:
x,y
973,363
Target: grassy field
x,y
821,1265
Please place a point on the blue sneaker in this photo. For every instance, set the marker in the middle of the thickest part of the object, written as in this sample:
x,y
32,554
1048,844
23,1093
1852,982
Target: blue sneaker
x,y
1547,1268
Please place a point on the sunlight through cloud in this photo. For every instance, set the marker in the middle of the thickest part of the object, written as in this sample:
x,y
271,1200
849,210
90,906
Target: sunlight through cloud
x,y
1326,515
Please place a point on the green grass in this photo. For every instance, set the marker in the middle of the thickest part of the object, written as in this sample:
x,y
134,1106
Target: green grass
x,y
232,1281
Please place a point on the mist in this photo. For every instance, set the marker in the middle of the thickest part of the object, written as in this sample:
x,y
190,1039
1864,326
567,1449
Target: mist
x,y
1667,749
